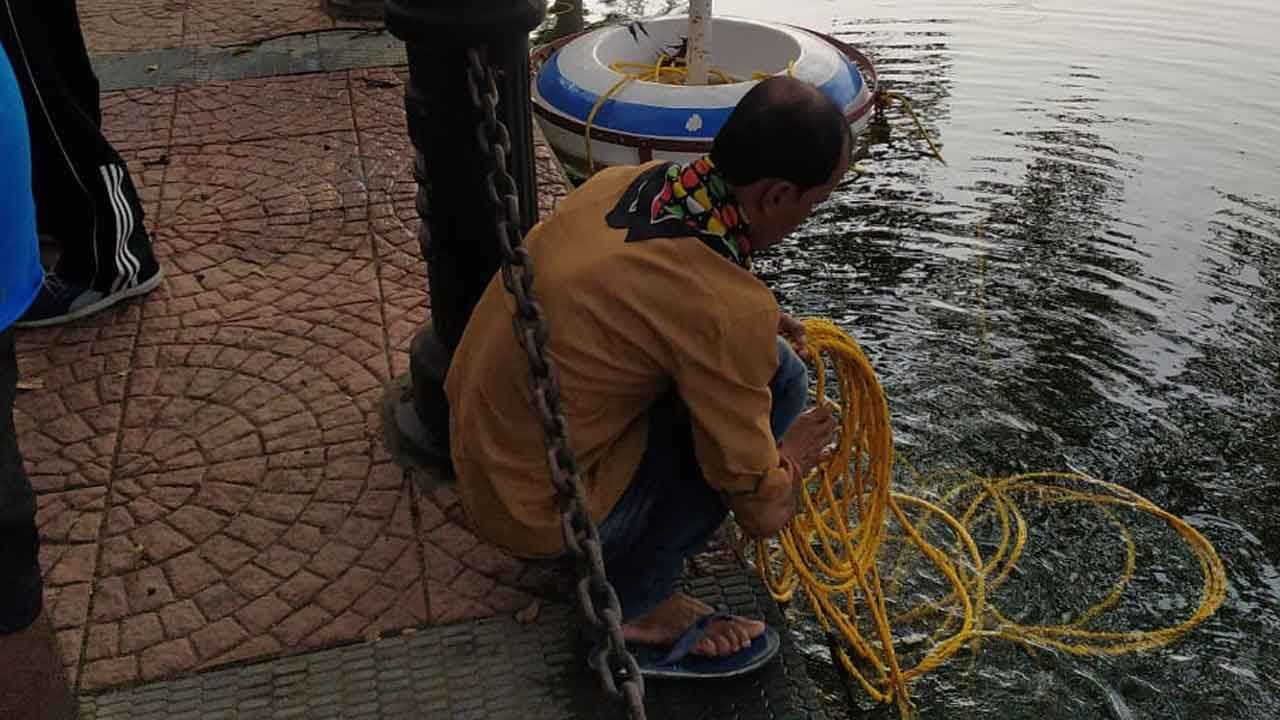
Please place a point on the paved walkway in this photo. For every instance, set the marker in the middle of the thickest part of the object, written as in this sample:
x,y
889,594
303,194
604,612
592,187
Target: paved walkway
x,y
212,485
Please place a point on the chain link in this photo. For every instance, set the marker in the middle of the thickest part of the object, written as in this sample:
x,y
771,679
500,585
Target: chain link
x,y
596,597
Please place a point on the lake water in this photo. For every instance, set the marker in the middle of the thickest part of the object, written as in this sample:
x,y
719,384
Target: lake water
x,y
1091,282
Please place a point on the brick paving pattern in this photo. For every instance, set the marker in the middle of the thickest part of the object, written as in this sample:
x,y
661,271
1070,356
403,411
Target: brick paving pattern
x,y
113,26
211,477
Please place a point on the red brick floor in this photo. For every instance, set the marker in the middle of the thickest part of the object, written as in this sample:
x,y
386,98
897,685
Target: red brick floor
x,y
117,26
113,26
212,483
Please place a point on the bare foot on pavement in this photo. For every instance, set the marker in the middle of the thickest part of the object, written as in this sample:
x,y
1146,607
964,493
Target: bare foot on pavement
x,y
664,625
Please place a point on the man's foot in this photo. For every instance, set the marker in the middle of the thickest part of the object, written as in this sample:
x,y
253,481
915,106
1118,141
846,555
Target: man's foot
x,y
60,301
663,626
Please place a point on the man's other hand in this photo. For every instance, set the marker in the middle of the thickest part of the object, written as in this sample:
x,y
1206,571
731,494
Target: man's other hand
x,y
806,442
791,329
804,446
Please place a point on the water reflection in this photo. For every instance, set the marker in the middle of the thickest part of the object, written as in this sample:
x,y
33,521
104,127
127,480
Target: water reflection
x,y
1063,288
1017,325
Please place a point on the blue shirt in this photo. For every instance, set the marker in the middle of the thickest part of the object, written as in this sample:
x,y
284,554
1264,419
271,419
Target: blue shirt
x,y
20,270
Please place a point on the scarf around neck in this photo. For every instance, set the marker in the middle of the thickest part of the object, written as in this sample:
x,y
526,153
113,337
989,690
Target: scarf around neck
x,y
673,200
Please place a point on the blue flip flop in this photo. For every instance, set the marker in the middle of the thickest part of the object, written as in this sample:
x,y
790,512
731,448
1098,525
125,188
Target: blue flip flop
x,y
679,663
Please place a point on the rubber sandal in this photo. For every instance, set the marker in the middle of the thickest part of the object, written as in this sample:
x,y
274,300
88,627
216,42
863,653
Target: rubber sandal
x,y
678,662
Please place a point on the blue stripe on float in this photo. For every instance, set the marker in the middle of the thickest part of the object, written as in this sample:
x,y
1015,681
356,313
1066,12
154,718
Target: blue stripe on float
x,y
843,89
572,99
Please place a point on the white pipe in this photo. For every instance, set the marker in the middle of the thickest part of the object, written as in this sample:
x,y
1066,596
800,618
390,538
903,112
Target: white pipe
x,y
699,42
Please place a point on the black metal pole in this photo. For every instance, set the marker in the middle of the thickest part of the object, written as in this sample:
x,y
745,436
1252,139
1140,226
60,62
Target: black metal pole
x,y
569,20
457,236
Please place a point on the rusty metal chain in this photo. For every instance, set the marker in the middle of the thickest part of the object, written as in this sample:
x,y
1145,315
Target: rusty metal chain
x,y
619,673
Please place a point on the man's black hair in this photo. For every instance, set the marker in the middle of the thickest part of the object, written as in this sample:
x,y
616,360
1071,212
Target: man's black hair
x,y
782,128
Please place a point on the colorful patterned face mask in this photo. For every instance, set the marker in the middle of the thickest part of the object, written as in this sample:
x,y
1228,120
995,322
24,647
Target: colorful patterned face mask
x,y
697,195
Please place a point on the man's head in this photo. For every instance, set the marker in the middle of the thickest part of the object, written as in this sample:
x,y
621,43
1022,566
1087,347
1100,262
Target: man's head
x,y
783,149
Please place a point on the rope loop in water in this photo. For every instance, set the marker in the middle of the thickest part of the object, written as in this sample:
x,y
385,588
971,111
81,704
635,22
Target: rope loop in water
x,y
833,549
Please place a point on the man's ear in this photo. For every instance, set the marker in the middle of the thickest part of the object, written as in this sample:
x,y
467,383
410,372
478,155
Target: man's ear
x,y
777,193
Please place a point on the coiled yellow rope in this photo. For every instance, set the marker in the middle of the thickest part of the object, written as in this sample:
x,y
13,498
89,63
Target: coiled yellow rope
x,y
833,548
667,70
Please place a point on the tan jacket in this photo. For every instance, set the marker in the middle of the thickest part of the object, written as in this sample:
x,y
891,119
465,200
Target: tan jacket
x,y
628,320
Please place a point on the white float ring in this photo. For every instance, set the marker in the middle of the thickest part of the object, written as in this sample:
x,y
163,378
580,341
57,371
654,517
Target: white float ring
x,y
574,73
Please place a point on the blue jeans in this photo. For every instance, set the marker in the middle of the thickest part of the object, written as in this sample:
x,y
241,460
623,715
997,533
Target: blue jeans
x,y
669,512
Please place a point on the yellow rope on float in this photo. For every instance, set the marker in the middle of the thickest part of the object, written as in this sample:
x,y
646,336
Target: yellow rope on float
x,y
670,70
659,72
902,100
833,548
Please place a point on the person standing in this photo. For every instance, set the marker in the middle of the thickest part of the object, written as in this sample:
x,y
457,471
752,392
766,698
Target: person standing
x,y
85,199
32,682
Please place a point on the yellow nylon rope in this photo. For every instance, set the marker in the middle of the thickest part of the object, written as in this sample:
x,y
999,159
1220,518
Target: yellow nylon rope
x,y
833,548
887,97
667,70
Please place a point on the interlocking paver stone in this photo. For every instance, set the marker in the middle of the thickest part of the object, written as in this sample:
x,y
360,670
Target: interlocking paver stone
x,y
264,108
469,578
274,187
245,563
67,432
378,97
229,22
139,118
125,25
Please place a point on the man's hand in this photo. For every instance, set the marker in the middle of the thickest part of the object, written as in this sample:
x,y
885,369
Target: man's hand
x,y
791,329
804,445
807,440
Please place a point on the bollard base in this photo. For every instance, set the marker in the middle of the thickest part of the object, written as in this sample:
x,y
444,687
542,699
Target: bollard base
x,y
409,440
354,9
415,411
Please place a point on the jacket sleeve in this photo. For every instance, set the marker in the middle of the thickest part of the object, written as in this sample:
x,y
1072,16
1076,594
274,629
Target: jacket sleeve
x,y
724,378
